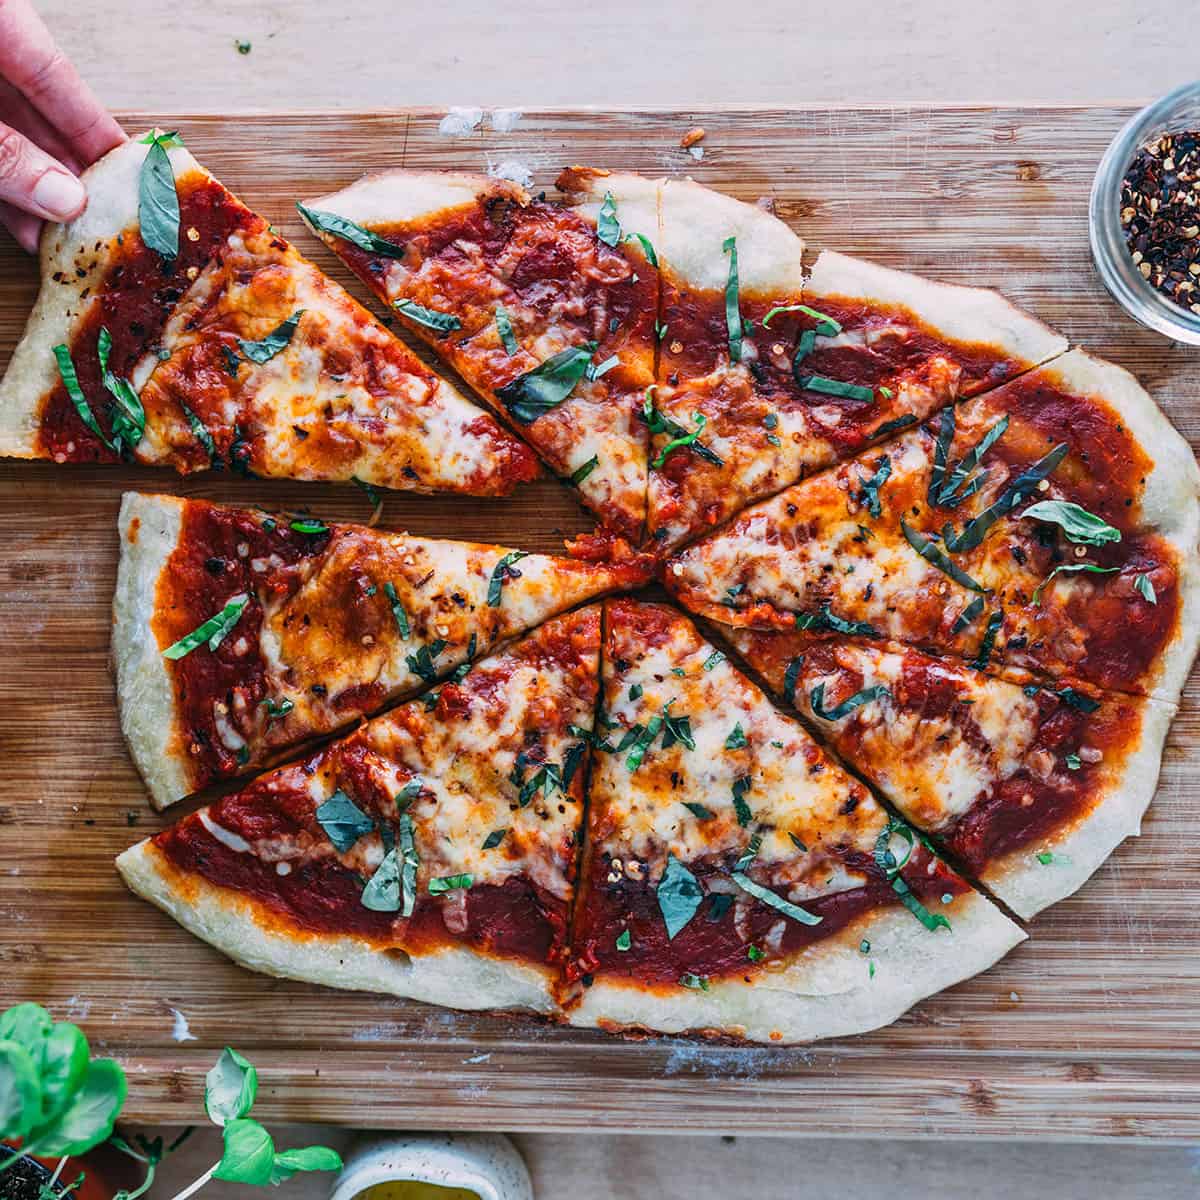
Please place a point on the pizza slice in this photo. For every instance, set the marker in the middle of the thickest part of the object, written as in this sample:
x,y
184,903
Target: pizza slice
x,y
546,309
430,854
1050,525
736,880
764,377
175,327
238,635
1030,788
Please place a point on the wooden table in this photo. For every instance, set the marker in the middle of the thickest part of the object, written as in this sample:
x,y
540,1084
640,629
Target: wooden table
x,y
1089,1030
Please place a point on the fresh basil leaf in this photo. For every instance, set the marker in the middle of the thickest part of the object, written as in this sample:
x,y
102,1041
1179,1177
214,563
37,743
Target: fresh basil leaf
x,y
958,484
87,1117
128,415
804,347
70,380
676,729
835,387
826,325
275,341
624,940
504,330
581,473
398,613
775,901
941,454
1069,569
608,228
1048,858
847,706
1145,588
230,1087
535,393
892,426
64,1063
213,631
440,322
1073,761
595,372
421,662
249,1153
647,247
1081,527
931,921
827,621
891,868
494,838
343,821
350,231
984,656
158,199
502,571
201,434
679,895
698,810
698,983
967,615
643,742
309,525
450,883
304,1158
20,1091
737,738
790,677
659,424
741,809
1075,699
409,862
733,313
931,552
679,443
382,893
870,487
798,843
715,659
747,856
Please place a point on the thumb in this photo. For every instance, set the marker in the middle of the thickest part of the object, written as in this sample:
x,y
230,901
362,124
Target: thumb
x,y
34,182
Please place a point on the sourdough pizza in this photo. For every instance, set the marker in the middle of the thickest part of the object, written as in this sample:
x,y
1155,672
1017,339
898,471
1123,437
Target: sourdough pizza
x,y
175,327
765,377
736,879
429,854
1029,786
238,634
546,309
1050,524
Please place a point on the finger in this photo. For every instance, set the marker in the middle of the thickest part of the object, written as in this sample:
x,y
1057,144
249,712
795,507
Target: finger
x,y
33,181
36,67
24,227
16,111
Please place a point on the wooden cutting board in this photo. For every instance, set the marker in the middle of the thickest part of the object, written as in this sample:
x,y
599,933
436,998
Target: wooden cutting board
x,y
1090,1029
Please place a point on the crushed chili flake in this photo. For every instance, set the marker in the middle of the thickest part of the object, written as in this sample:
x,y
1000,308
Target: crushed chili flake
x,y
1160,214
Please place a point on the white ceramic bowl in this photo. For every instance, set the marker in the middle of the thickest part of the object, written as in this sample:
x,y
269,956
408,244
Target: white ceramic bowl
x,y
485,1163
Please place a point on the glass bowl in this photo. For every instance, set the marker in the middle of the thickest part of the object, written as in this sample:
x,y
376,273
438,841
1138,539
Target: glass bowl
x,y
1175,112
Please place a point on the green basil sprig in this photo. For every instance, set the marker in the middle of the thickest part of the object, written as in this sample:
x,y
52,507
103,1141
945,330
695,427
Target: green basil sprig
x,y
1081,527
158,199
537,392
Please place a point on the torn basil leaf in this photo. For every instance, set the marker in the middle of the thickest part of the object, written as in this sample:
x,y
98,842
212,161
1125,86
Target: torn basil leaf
x,y
1076,699
659,424
931,552
213,631
382,893
421,661
847,706
278,339
984,656
643,742
505,331
715,659
408,864
494,838
440,322
1081,527
401,617
700,811
1069,569
737,738
870,487
777,902
647,247
1145,588
891,867
959,484
503,571
624,940
679,895
790,677
537,392
343,821
679,443
350,231
741,809
733,315
309,525
450,883
158,200
581,473
201,434
968,615
608,228
835,387
66,371
697,983
826,325
128,415
827,621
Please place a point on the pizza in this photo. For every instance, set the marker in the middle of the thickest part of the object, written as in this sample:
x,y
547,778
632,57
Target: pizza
x,y
546,309
772,376
1029,786
239,634
176,327
736,880
1049,525
430,854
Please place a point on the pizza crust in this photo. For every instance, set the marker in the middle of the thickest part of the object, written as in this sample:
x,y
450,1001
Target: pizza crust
x,y
148,527
827,991
454,977
962,314
82,245
637,199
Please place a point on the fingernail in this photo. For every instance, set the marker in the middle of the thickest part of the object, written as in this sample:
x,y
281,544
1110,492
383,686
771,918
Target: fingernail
x,y
59,195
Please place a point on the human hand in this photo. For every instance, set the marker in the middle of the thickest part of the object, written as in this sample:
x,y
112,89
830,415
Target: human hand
x,y
51,127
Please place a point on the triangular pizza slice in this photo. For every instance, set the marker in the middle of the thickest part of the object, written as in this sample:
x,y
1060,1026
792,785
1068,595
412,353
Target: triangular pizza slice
x,y
1030,788
1050,524
736,879
764,377
238,634
547,309
175,327
430,854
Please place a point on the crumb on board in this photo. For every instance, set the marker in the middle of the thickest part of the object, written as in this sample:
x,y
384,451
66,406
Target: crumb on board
x,y
180,1030
693,135
459,122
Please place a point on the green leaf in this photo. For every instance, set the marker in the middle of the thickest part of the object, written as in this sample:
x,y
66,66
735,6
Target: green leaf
x,y
737,738
931,552
715,659
350,231
128,415
535,393
200,433
826,325
382,893
949,494
941,454
827,621
847,706
409,862
678,443
494,838
608,228
741,786
28,1025
967,615
599,369
421,661
158,200
679,895
624,940
635,691
1145,588
430,318
87,1118
775,901
398,613
309,525
1073,761
305,1158
647,247
1080,526
249,1155
450,883
213,631
505,330
891,868
581,473
733,314
676,729
658,424
275,341
870,487
984,656
66,371
500,573
754,954
698,983
790,677
643,742
64,1062
230,1087
835,387
1069,695
700,811
20,1091
343,821
1069,569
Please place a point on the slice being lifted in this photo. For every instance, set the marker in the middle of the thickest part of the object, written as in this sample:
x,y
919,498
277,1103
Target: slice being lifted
x,y
175,327
546,309
1050,524
1031,788
737,881
430,854
238,635
776,377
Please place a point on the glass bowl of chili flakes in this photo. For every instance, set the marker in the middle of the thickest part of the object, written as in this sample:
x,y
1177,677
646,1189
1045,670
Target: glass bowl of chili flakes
x,y
1144,216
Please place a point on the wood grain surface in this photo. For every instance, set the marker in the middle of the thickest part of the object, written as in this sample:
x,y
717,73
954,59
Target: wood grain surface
x,y
1089,1030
